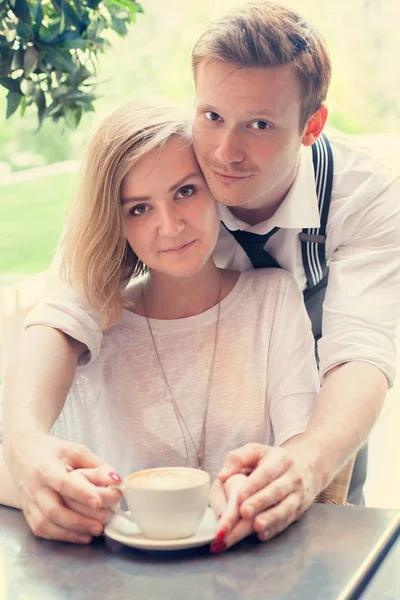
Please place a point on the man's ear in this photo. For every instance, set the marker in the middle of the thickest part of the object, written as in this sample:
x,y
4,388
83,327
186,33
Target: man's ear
x,y
314,126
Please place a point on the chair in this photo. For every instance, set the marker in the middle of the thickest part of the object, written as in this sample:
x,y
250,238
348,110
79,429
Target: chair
x,y
336,492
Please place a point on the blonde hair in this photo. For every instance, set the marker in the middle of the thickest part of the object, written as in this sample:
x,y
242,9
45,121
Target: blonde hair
x,y
95,254
265,34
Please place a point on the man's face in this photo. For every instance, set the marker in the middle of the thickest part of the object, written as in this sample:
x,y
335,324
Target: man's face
x,y
247,134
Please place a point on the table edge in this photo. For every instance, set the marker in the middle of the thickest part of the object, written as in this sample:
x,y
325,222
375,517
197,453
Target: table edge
x,y
361,577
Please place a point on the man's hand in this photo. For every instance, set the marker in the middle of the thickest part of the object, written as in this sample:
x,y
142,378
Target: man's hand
x,y
279,489
276,486
40,466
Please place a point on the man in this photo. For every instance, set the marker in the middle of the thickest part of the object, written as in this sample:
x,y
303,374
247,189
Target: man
x,y
262,76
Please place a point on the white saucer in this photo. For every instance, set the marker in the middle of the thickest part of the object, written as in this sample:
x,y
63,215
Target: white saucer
x,y
128,533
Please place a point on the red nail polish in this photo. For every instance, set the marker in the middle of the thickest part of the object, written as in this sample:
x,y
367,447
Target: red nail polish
x,y
217,547
220,535
114,476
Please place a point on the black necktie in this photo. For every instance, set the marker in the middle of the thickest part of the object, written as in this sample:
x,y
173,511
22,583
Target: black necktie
x,y
253,244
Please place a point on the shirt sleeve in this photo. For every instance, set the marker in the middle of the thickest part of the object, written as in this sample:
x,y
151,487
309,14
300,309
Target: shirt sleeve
x,y
362,302
292,377
62,307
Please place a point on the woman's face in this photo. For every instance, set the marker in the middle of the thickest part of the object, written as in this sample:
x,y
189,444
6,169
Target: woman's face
x,y
170,219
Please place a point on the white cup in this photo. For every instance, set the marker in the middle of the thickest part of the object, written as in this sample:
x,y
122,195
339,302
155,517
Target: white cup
x,y
167,503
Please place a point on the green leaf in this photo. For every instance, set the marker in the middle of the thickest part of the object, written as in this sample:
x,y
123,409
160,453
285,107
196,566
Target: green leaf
x,y
78,115
60,91
93,4
13,100
129,7
13,85
62,22
4,43
98,44
44,47
77,44
21,10
95,29
31,59
119,26
62,7
54,108
24,30
23,106
80,75
60,59
40,100
71,118
78,7
80,97
5,62
37,14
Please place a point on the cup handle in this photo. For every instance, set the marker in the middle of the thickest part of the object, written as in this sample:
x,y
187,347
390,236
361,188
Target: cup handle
x,y
116,508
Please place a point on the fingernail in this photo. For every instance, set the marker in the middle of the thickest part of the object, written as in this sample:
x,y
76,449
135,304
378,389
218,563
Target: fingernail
x,y
114,476
264,535
94,503
220,535
96,530
217,547
223,473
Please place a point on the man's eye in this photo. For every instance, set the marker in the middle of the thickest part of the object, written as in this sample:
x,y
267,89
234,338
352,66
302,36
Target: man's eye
x,y
211,115
186,191
260,125
140,209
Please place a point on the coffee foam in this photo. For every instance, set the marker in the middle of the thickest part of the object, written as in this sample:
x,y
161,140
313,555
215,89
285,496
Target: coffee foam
x,y
165,480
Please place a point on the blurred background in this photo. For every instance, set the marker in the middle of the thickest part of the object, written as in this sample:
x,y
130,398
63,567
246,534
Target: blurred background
x,y
38,169
154,58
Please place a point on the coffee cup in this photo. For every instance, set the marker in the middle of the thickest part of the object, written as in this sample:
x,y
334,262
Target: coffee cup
x,y
166,503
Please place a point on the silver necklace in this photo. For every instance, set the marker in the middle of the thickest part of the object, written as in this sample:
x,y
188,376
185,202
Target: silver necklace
x,y
200,450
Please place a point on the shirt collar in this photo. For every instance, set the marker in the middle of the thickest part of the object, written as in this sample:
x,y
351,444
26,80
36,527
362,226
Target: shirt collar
x,y
298,210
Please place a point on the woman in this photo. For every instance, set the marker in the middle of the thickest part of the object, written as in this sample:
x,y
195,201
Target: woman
x,y
196,361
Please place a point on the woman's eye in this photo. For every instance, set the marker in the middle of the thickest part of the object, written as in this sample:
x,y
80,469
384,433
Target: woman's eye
x,y
260,125
211,115
186,191
140,209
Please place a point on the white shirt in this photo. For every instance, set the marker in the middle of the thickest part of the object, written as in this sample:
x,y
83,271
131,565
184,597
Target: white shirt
x,y
362,302
263,385
362,305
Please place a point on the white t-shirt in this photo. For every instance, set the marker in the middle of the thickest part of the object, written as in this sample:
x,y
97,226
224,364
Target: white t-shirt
x,y
263,386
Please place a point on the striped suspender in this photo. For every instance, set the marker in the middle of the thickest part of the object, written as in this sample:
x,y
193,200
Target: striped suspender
x,y
313,239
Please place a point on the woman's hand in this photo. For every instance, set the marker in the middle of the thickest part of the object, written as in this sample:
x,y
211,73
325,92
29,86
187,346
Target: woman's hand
x,y
280,487
224,501
102,478
40,466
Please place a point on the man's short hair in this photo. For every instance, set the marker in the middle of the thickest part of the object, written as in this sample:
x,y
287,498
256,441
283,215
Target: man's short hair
x,y
265,34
